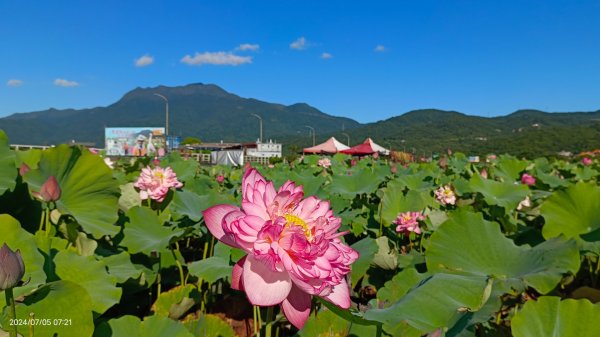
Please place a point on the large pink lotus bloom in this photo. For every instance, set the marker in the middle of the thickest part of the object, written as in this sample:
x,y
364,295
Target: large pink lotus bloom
x,y
294,249
154,183
325,162
445,195
586,161
527,179
409,222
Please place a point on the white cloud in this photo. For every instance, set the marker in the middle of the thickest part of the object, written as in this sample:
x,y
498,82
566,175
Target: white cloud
x,y
217,58
14,83
326,56
299,44
61,82
144,61
380,48
248,47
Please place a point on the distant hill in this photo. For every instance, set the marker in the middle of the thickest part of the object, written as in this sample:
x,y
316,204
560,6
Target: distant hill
x,y
212,114
205,111
529,133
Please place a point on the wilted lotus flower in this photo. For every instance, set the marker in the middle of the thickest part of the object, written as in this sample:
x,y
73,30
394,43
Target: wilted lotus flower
x,y
409,222
445,195
527,179
109,162
12,268
443,162
220,179
293,245
155,183
586,161
325,162
50,190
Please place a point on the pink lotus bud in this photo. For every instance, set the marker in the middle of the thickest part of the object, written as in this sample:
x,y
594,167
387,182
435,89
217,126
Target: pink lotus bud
x,y
353,162
443,162
375,155
50,191
156,162
527,179
220,179
23,169
586,161
394,169
12,268
484,174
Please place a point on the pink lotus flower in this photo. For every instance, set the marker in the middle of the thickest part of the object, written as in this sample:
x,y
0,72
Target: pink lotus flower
x,y
325,162
154,183
375,155
445,195
220,179
484,173
294,249
156,162
394,169
586,161
527,179
409,222
353,162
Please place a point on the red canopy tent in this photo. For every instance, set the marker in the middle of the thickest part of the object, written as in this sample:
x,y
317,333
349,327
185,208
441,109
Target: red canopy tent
x,y
332,145
367,147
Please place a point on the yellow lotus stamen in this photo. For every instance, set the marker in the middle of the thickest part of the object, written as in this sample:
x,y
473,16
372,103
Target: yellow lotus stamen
x,y
295,220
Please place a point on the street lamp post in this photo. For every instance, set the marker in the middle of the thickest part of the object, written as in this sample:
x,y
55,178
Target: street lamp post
x,y
260,124
166,113
347,136
313,133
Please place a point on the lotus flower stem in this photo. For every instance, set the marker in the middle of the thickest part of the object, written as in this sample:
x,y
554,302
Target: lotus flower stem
x,y
31,320
269,325
12,313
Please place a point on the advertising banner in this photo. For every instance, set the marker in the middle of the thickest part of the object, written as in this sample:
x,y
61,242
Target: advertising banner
x,y
135,141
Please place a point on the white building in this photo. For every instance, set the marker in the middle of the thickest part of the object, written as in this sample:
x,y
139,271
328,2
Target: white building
x,y
264,150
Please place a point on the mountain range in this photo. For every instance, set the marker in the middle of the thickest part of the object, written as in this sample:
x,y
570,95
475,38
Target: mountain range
x,y
212,114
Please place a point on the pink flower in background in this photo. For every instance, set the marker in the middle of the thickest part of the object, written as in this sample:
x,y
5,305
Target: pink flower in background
x,y
220,179
23,169
586,161
324,162
353,162
375,155
154,183
156,162
445,195
394,169
491,157
527,179
293,245
409,222
484,173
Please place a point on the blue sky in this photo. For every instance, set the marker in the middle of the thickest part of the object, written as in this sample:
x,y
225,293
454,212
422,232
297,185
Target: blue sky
x,y
367,60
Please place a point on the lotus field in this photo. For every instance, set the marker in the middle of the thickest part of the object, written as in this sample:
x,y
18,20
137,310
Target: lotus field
x,y
322,246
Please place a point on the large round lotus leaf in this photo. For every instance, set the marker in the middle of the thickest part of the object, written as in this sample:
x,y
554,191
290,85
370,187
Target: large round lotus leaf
x,y
398,286
121,267
184,169
88,191
210,326
153,326
549,316
63,308
211,269
366,249
8,170
509,168
350,186
17,238
175,302
466,243
186,203
144,232
506,194
573,211
438,302
90,274
394,201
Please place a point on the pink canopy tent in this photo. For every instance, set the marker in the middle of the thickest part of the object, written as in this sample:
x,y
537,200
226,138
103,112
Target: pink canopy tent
x,y
332,145
367,147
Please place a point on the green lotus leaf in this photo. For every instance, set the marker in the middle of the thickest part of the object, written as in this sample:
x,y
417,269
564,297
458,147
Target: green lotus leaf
x,y
504,194
439,301
18,238
509,168
366,249
144,232
63,309
90,274
211,269
394,201
129,197
466,243
121,267
350,186
188,204
175,302
549,316
152,326
184,169
210,326
385,258
8,170
398,286
88,191
573,211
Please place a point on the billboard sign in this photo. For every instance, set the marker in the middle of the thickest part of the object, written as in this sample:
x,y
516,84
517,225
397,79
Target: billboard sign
x,y
135,141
